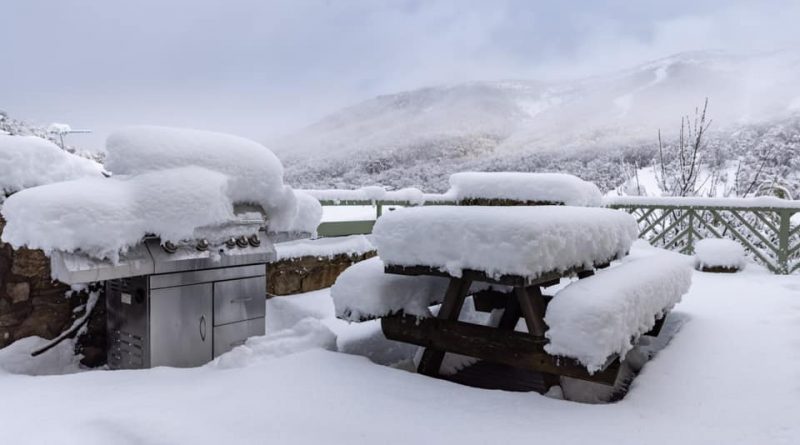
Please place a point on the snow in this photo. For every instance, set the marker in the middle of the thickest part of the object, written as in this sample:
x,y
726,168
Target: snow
x,y
698,390
364,291
103,216
594,318
716,252
767,202
324,247
535,187
376,193
29,161
256,174
525,241
305,219
59,128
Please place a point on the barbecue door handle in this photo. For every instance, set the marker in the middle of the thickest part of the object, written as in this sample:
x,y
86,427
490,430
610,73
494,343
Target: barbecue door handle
x,y
203,327
241,299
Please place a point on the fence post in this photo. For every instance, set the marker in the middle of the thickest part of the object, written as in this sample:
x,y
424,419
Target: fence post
x,y
783,240
690,243
379,210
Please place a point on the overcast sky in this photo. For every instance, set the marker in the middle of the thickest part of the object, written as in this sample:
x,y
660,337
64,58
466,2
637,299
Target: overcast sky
x,y
263,68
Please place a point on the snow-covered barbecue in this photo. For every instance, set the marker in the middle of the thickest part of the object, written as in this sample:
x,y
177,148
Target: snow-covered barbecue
x,y
182,231
439,254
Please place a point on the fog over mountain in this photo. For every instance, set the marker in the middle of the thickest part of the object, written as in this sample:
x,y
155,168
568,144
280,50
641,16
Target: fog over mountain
x,y
416,138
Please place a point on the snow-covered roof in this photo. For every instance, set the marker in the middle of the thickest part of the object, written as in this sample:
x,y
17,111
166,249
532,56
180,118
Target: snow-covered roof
x,y
525,187
525,241
717,252
596,317
364,291
29,161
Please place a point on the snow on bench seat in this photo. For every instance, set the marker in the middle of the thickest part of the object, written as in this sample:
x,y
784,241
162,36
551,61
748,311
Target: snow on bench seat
x,y
522,241
594,318
364,291
525,187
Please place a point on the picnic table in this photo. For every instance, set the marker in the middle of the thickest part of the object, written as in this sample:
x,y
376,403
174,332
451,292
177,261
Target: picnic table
x,y
517,252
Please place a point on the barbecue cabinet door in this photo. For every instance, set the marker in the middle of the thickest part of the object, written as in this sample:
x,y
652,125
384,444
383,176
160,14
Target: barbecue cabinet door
x,y
181,326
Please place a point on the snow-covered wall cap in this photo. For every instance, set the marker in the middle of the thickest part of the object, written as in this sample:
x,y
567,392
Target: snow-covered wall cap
x,y
768,202
256,174
375,193
102,217
717,252
29,161
525,187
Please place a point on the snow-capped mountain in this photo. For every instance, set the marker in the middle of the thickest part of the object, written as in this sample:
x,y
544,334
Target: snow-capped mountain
x,y
418,137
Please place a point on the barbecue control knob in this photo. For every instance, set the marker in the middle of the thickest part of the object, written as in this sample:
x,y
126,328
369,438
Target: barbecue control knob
x,y
169,247
230,243
254,240
202,245
241,241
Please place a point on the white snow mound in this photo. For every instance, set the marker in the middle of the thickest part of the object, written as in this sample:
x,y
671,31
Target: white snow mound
x,y
324,247
534,187
305,219
717,252
256,173
29,161
103,216
525,241
364,291
596,317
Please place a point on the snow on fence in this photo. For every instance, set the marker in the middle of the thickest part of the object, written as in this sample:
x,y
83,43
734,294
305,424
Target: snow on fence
x,y
768,228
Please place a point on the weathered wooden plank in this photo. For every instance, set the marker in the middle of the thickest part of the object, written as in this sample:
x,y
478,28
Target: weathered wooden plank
x,y
507,347
453,301
532,307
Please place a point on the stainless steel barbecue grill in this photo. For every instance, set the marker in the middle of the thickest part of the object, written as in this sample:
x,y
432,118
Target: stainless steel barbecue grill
x,y
182,305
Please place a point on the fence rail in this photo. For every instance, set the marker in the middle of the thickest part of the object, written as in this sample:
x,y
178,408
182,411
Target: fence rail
x,y
766,231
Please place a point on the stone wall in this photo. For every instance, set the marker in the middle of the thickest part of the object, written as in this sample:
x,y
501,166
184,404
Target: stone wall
x,y
305,274
31,303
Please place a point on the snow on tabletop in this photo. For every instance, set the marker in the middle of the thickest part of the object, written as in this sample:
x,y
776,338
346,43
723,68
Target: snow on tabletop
x,y
525,241
717,252
364,291
324,247
517,186
29,161
256,173
596,317
103,216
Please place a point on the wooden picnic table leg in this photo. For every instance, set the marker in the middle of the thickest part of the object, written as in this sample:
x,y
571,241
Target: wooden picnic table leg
x,y
511,314
532,304
453,301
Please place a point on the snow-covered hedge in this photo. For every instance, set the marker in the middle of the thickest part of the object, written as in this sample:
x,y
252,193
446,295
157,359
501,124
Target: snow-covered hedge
x,y
596,317
719,253
525,187
525,241
30,161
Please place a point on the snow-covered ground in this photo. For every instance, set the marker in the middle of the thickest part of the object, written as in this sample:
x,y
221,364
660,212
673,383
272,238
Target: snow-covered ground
x,y
731,375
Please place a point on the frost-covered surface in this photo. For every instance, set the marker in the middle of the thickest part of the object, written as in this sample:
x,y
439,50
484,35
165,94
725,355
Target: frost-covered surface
x,y
365,291
324,247
596,317
102,216
760,201
29,161
691,393
717,252
525,241
536,187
